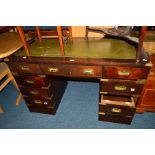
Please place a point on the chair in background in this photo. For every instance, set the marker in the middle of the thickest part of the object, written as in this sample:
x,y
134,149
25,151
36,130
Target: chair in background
x,y
8,77
60,32
38,31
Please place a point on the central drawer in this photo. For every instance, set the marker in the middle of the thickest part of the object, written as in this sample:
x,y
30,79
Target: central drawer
x,y
72,70
121,87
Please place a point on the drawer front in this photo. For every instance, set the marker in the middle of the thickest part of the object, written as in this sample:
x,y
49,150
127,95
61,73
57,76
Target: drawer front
x,y
39,101
24,68
35,81
115,118
121,87
117,105
28,91
73,70
44,110
116,110
125,73
86,71
55,69
128,101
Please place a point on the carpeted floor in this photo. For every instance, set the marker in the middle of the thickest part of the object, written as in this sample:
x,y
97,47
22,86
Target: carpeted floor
x,y
78,110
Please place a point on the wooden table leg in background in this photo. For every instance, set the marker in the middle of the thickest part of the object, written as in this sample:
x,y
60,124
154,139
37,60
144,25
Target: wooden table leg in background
x,y
22,36
39,34
1,109
59,30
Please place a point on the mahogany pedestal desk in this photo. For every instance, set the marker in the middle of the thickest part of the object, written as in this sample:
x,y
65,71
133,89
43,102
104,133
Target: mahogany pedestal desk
x,y
120,70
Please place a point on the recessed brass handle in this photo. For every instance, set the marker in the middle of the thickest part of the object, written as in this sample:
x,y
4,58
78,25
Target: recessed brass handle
x,y
120,88
25,68
33,92
124,72
88,71
30,81
37,102
116,110
45,103
53,70
132,89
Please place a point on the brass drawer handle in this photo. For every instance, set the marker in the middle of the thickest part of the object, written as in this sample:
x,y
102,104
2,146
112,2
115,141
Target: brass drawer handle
x,y
88,71
116,110
37,102
33,92
132,89
45,103
120,88
30,81
124,73
25,68
53,70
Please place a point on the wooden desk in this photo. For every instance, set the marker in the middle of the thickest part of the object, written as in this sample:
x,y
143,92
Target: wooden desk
x,y
42,76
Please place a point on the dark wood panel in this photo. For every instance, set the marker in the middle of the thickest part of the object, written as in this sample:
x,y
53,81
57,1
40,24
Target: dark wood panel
x,y
77,61
118,105
29,91
24,68
40,101
117,109
125,72
115,119
43,110
33,81
72,70
43,104
121,87
146,101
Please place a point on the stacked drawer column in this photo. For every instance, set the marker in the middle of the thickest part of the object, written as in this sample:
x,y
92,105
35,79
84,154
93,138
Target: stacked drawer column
x,y
119,91
41,93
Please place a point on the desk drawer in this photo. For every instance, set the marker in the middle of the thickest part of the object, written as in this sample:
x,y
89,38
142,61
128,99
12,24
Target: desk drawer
x,y
29,91
117,105
24,68
125,72
40,109
55,69
34,81
86,71
40,101
73,70
121,87
115,118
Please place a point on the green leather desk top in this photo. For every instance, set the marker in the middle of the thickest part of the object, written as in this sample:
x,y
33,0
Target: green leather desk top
x,y
82,48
